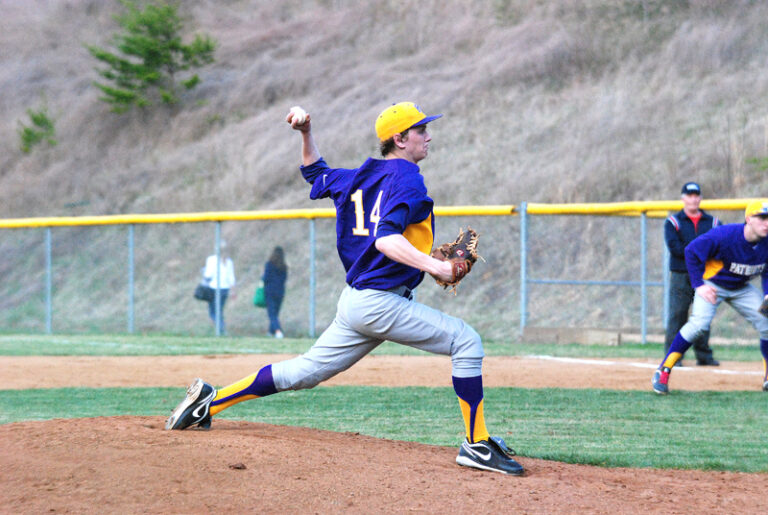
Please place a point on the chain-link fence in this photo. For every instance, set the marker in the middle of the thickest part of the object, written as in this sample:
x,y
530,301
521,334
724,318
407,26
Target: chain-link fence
x,y
581,270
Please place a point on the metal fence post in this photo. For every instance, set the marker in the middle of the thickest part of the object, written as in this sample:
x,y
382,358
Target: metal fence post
x,y
130,279
644,276
523,262
666,286
311,277
48,283
217,300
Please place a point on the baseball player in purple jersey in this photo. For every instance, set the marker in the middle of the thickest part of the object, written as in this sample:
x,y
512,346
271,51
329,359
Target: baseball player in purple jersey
x,y
384,229
720,264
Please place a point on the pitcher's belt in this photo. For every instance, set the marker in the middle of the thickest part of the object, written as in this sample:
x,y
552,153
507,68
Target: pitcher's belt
x,y
402,291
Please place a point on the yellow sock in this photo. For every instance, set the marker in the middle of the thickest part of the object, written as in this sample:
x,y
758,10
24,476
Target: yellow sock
x,y
232,394
673,358
474,421
255,385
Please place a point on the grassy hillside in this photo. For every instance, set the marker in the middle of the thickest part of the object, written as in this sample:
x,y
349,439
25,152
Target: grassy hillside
x,y
563,101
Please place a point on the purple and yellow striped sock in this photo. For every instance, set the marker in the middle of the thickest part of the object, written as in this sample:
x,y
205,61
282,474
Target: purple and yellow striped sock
x,y
470,393
676,351
256,385
764,352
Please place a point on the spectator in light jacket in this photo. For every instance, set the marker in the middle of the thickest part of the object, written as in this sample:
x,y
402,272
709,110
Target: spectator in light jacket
x,y
226,283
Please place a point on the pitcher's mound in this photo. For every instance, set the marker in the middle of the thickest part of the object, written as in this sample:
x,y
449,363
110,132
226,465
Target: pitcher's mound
x,y
131,465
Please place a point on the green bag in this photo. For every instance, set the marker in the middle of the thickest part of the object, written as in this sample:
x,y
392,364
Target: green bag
x,y
258,297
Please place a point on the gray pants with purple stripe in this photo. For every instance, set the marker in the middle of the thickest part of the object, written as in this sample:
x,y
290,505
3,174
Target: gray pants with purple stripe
x,y
745,301
364,319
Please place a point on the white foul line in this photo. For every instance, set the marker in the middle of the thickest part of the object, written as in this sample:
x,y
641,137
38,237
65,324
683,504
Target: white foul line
x,y
601,362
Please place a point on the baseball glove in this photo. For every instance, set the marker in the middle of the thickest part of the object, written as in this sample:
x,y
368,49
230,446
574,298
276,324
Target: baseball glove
x,y
462,254
763,309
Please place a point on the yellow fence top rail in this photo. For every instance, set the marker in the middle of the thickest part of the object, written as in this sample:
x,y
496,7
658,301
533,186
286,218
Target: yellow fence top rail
x,y
635,207
654,209
221,216
169,218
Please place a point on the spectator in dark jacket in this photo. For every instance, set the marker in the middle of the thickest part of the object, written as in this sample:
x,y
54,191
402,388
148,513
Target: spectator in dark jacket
x,y
679,230
275,273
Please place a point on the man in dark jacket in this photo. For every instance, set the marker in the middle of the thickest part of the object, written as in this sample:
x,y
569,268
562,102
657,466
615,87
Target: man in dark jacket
x,y
275,274
679,230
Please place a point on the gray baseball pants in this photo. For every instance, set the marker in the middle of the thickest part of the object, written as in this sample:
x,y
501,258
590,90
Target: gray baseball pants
x,y
364,319
745,301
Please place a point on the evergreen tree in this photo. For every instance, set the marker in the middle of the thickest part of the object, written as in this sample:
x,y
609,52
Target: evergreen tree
x,y
151,57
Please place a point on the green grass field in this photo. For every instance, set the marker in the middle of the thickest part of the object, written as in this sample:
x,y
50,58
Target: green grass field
x,y
159,345
689,430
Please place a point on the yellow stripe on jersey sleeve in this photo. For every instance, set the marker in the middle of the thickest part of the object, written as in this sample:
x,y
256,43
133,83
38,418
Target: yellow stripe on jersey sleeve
x,y
712,267
420,235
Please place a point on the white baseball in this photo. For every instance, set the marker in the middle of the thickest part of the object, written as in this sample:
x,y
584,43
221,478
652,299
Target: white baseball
x,y
299,116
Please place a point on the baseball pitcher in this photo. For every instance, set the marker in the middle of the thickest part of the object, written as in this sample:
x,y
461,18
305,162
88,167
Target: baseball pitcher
x,y
384,228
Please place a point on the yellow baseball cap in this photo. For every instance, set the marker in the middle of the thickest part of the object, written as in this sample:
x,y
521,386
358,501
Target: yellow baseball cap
x,y
400,117
756,207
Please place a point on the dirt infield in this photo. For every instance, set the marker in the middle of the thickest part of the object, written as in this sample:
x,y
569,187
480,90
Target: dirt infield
x,y
526,372
130,465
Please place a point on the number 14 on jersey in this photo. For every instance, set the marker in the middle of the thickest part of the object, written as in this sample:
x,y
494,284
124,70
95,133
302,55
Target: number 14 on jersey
x,y
359,229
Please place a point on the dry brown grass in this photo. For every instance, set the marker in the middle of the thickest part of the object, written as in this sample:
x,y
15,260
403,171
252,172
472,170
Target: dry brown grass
x,y
566,101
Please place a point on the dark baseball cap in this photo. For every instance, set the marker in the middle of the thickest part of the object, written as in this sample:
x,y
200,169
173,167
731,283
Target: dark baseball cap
x,y
691,188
